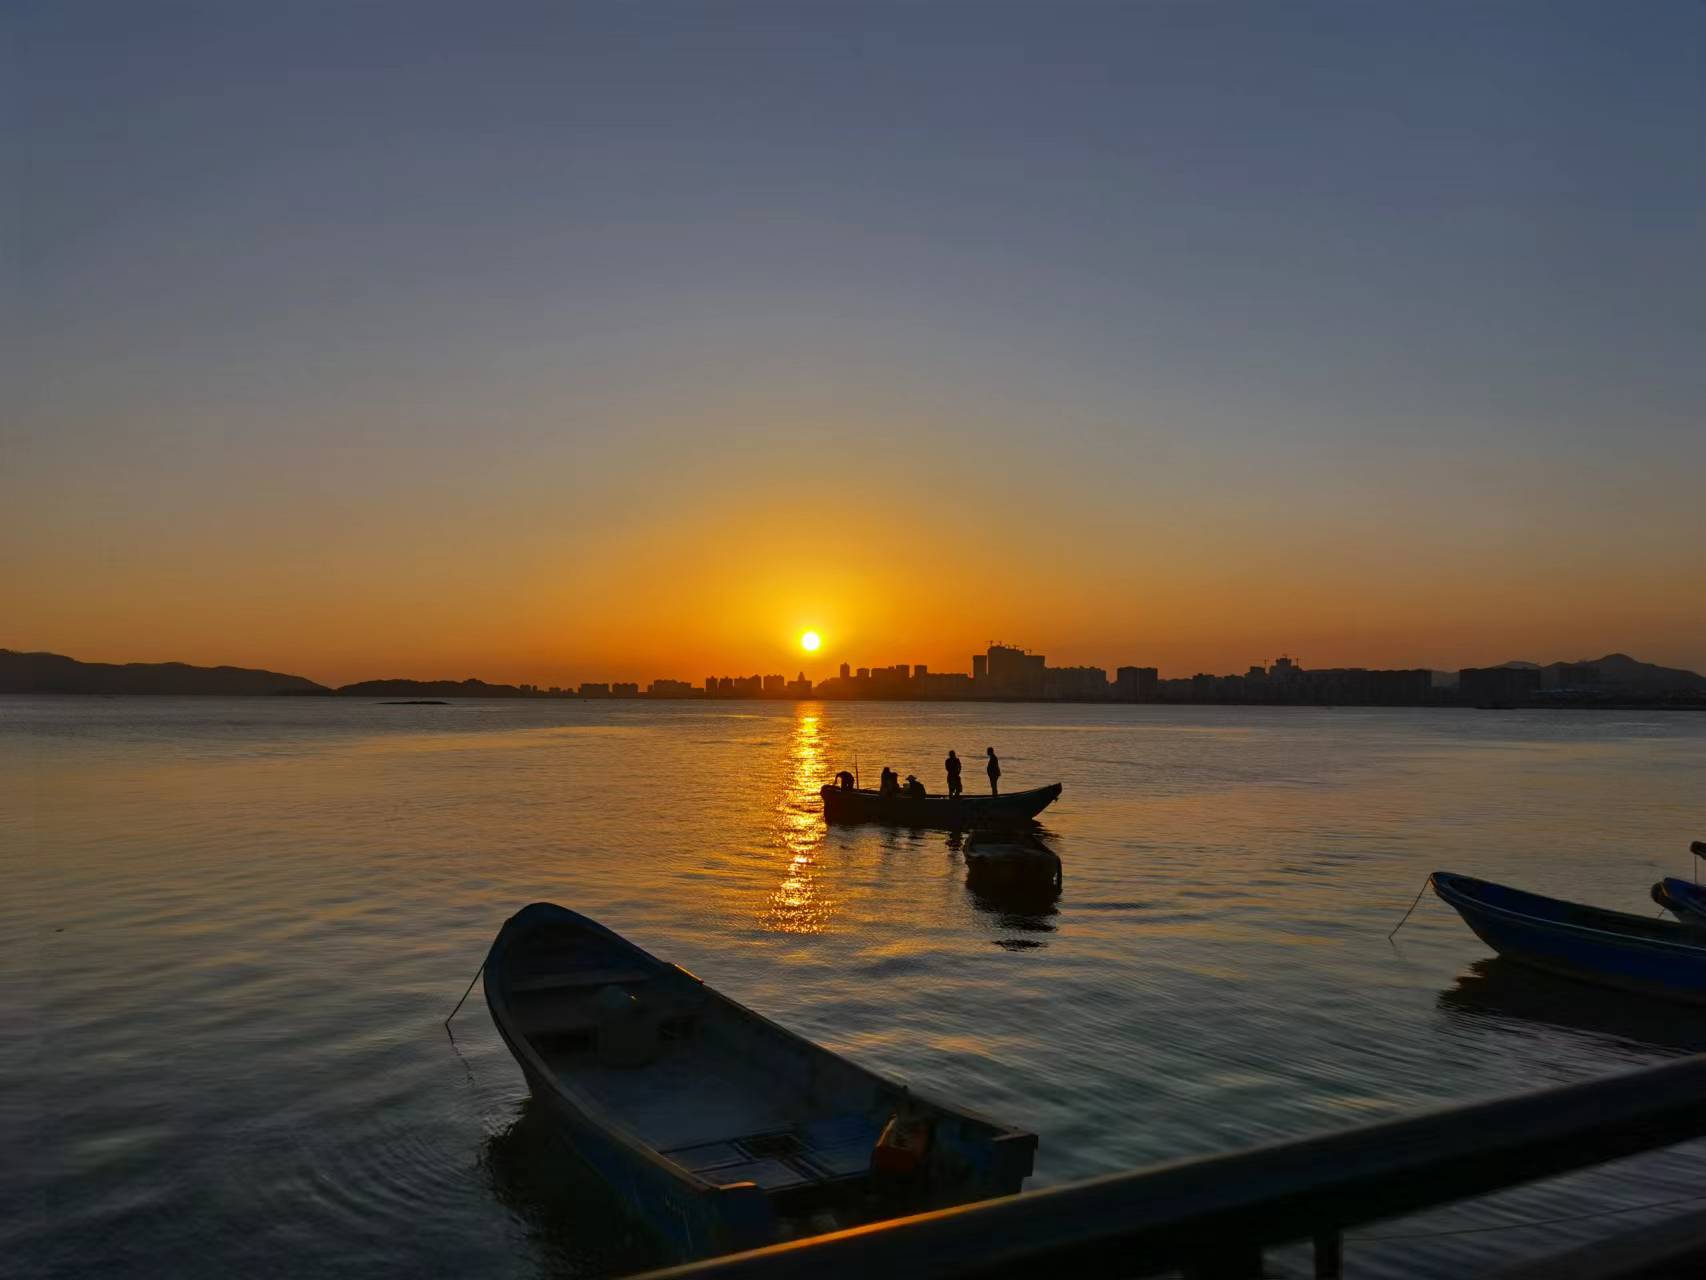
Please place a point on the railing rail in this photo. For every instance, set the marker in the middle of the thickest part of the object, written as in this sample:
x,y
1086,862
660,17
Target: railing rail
x,y
1216,1214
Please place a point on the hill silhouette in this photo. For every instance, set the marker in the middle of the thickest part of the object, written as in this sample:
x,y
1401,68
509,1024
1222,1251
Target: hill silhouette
x,y
1620,671
55,673
429,689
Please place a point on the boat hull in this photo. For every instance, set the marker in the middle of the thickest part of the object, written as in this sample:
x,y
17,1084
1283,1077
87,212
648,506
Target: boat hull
x,y
949,813
1608,948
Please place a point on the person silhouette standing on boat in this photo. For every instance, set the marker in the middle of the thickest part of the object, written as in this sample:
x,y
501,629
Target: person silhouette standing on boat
x,y
952,765
993,769
890,783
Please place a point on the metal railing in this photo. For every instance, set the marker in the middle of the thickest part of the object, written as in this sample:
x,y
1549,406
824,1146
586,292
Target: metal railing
x,y
1214,1216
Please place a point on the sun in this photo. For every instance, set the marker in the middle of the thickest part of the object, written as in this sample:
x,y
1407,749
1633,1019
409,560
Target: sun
x,y
810,641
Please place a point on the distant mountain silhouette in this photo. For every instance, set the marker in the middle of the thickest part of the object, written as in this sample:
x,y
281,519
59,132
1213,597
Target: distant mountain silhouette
x,y
55,673
1620,671
429,689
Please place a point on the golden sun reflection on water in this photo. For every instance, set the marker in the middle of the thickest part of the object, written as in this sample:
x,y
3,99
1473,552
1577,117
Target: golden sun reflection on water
x,y
798,904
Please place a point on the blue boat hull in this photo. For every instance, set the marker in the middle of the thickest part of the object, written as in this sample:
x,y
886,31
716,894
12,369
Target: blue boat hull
x,y
1632,953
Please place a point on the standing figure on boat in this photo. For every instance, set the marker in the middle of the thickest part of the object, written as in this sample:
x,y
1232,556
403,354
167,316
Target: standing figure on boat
x,y
952,765
993,769
890,783
914,788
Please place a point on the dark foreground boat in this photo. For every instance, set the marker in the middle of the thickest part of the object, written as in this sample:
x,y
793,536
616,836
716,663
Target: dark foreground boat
x,y
717,1128
1612,948
951,813
1011,858
1685,901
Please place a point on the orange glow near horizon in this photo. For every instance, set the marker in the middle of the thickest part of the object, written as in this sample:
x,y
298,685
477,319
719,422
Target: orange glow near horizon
x,y
548,574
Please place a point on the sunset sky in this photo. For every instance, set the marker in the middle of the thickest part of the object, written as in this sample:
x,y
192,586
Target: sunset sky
x,y
555,342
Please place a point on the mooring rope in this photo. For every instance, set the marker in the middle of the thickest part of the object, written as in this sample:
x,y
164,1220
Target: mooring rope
x,y
471,982
1419,893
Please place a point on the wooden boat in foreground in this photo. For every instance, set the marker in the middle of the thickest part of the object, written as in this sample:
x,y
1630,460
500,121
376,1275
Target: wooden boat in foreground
x,y
1685,901
1611,948
951,813
717,1128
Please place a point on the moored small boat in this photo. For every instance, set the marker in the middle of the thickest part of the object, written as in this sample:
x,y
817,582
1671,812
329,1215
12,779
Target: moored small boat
x,y
1010,858
1611,948
950,813
1685,901
718,1129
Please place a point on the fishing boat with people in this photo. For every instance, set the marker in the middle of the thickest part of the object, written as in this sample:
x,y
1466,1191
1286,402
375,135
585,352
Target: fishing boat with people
x,y
718,1129
1611,948
948,813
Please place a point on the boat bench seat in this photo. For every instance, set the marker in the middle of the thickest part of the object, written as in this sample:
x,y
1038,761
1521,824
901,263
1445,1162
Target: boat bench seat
x,y
570,1025
816,1151
580,978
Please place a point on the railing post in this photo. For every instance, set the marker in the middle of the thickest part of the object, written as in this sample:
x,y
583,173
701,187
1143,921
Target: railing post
x,y
1329,1256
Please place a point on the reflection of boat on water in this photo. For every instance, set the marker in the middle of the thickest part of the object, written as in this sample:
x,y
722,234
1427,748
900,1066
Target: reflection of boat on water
x,y
1499,988
1024,909
715,1127
1611,948
1011,858
952,813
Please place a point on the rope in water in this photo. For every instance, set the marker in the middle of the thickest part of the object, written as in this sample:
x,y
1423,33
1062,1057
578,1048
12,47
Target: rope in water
x,y
471,982
1413,905
1534,1222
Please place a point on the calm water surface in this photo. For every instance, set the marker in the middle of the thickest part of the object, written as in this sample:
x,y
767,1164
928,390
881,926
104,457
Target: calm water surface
x,y
233,927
